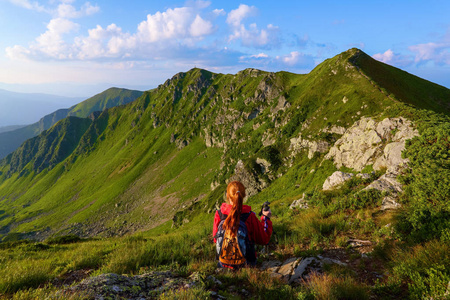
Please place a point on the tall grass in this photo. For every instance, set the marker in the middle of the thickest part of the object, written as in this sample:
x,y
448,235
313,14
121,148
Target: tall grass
x,y
25,274
331,287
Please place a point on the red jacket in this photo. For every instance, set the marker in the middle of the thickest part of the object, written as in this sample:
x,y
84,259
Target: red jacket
x,y
259,232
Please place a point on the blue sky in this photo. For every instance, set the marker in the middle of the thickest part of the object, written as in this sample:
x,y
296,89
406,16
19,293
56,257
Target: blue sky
x,y
79,48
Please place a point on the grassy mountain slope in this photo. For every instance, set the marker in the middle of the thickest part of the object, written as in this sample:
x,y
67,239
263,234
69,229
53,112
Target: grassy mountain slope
x,y
11,140
107,99
158,166
136,165
406,87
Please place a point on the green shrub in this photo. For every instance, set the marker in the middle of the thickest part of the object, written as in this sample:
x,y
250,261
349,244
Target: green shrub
x,y
425,269
427,185
65,239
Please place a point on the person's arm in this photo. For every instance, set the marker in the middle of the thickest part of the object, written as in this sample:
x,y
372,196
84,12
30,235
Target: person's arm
x,y
216,224
261,230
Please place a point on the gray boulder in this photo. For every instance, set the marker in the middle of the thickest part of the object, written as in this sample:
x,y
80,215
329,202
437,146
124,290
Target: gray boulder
x,y
300,203
386,183
389,202
336,179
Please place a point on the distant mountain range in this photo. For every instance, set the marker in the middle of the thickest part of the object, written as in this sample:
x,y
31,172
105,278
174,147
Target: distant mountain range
x,y
26,108
11,138
133,167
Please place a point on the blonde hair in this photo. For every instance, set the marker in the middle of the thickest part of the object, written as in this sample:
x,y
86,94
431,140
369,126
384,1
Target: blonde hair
x,y
235,197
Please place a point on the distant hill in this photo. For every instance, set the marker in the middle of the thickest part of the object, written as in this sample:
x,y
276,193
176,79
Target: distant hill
x,y
133,167
12,139
10,128
26,108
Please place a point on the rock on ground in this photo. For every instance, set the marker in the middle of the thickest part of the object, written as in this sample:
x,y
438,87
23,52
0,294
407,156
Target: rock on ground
x,y
114,286
336,179
301,203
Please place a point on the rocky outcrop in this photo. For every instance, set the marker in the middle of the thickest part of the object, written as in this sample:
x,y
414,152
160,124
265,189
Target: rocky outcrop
x,y
252,183
336,179
114,286
301,203
369,142
282,105
296,269
298,144
146,286
389,202
386,183
211,140
334,129
264,164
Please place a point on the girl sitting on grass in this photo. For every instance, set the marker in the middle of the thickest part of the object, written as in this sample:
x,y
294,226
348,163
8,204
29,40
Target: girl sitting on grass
x,y
236,229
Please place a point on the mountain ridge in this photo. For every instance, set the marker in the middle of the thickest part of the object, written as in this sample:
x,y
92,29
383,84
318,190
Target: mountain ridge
x,y
196,125
11,140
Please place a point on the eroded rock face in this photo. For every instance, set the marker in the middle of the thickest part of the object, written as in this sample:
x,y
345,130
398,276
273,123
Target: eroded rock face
x,y
391,159
253,185
368,142
297,144
356,148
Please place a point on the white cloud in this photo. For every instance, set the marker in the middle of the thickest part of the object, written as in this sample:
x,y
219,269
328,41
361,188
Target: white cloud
x,y
291,59
259,55
17,53
219,12
51,42
33,5
158,35
255,37
177,23
236,16
200,27
385,57
295,60
198,4
395,59
66,10
251,36
439,53
108,42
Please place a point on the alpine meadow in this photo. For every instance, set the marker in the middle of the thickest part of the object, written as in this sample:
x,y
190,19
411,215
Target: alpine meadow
x,y
116,196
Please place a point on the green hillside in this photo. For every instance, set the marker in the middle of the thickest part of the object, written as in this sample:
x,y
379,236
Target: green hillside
x,y
107,99
155,142
159,166
11,140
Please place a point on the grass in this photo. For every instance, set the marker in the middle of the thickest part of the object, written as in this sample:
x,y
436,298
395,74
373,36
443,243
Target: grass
x,y
330,287
126,175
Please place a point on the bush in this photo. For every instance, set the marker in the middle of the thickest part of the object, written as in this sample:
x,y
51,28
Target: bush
x,y
427,185
65,239
425,269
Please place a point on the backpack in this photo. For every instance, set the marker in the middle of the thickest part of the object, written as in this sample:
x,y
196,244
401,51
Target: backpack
x,y
234,252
